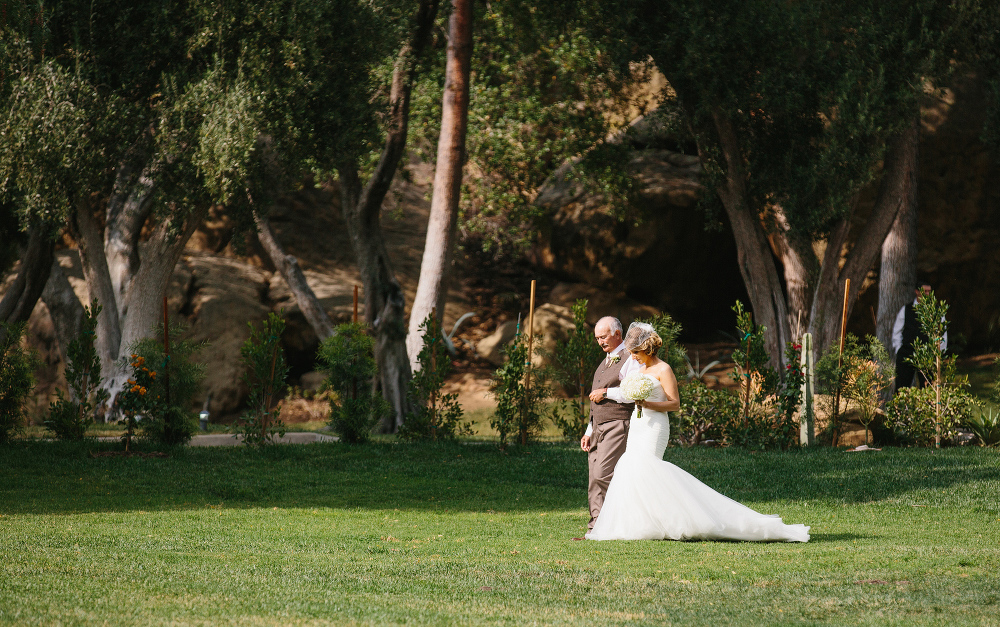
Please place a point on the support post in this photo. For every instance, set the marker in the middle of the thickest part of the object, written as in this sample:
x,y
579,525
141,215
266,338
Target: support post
x,y
840,363
527,366
807,417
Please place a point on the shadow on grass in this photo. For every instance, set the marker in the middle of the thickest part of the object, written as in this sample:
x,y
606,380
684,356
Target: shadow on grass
x,y
56,477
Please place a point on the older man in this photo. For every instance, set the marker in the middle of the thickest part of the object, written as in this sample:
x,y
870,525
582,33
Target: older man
x,y
610,412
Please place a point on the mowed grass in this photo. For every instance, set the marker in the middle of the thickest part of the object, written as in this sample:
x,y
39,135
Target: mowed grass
x,y
392,533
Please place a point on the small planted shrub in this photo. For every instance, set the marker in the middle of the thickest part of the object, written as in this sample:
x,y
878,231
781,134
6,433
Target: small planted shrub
x,y
703,414
436,416
931,414
69,417
757,380
356,407
916,418
167,418
134,400
265,374
519,391
17,365
573,363
868,374
767,403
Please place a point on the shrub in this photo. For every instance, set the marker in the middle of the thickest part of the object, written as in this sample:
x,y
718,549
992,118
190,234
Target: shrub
x,y
573,363
167,416
17,365
757,380
671,351
265,374
435,415
348,358
945,402
912,414
69,417
984,422
703,413
868,374
519,392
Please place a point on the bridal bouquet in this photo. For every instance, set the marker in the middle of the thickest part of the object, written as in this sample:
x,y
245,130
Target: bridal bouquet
x,y
637,387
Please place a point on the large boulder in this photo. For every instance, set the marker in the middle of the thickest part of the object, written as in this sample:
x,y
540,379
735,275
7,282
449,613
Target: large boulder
x,y
226,295
667,259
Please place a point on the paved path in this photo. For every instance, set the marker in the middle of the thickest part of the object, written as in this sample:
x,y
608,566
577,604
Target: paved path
x,y
227,439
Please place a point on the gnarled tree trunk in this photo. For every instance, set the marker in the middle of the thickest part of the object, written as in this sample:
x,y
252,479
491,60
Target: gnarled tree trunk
x,y
898,270
752,249
898,177
32,275
385,302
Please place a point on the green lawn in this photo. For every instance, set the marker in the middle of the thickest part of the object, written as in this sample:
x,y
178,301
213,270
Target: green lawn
x,y
463,534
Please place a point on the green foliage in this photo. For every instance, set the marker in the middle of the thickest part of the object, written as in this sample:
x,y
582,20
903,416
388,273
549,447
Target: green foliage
x,y
757,380
704,413
158,394
436,415
69,417
266,371
530,112
573,362
348,358
984,422
219,103
17,365
519,391
671,351
868,373
912,414
167,417
952,401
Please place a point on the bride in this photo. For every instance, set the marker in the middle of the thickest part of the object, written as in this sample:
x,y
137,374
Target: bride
x,y
651,499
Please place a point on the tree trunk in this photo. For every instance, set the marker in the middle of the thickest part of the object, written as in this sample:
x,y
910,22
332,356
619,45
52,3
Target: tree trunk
x,y
127,212
98,277
288,267
144,295
385,303
435,267
752,249
898,177
64,308
800,267
32,275
898,270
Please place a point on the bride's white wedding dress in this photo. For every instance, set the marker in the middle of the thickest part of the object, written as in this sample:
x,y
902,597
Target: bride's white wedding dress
x,y
651,499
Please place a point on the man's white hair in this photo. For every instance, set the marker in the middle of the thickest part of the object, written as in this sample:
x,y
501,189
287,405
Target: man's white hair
x,y
614,324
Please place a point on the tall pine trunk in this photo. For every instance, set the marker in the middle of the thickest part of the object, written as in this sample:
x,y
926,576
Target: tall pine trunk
x,y
435,268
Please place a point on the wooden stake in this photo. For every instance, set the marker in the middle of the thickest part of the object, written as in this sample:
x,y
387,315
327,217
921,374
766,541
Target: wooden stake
x,y
527,364
166,353
840,362
355,318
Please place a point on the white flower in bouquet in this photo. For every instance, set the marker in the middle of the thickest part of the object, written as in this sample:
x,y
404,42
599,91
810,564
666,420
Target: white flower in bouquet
x,y
637,387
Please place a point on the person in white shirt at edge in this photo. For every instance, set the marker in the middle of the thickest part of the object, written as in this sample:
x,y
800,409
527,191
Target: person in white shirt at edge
x,y
610,412
905,330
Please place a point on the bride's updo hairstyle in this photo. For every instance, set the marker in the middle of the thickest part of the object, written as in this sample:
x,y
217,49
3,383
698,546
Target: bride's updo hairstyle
x,y
642,338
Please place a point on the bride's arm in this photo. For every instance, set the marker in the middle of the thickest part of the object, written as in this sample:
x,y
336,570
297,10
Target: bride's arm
x,y
669,382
